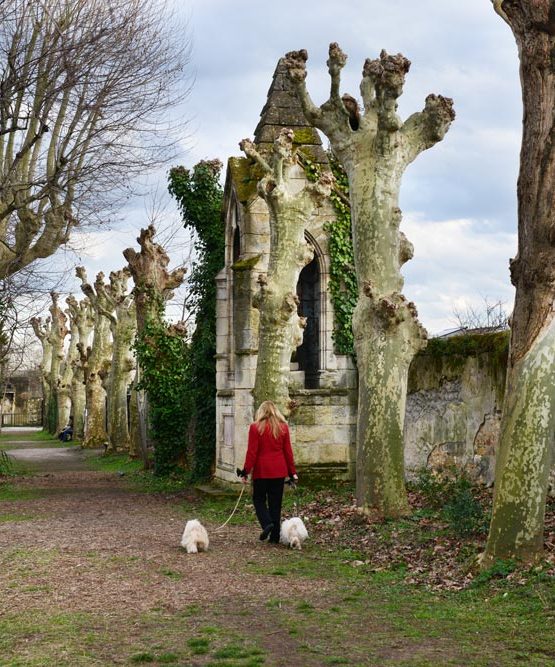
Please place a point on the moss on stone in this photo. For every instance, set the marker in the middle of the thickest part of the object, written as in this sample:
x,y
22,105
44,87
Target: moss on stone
x,y
496,343
246,264
245,176
445,359
305,135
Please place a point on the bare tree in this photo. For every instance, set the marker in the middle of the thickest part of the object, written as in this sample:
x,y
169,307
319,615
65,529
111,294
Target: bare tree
x,y
375,147
81,318
96,359
490,317
85,91
123,325
281,328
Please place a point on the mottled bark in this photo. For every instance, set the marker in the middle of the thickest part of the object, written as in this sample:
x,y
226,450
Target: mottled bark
x,y
281,328
96,361
58,332
375,148
526,447
123,325
42,332
153,281
82,319
153,286
67,371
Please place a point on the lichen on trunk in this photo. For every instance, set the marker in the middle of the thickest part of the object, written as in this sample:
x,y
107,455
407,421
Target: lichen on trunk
x,y
526,447
58,332
96,360
375,147
42,332
281,328
118,306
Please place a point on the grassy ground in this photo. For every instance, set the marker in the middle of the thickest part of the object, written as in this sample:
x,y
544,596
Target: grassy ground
x,y
351,597
10,440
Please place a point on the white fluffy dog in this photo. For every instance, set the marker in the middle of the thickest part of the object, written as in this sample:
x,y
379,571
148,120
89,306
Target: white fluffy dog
x,y
195,537
293,533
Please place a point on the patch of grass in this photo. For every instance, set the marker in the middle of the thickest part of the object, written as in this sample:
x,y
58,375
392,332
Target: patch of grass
x,y
499,570
198,645
114,463
31,436
14,517
142,658
13,492
236,652
6,464
171,574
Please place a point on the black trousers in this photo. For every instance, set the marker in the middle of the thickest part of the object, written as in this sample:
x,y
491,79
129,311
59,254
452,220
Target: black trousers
x,y
267,495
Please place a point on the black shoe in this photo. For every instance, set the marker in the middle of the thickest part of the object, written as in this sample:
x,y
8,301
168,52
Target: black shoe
x,y
264,534
273,540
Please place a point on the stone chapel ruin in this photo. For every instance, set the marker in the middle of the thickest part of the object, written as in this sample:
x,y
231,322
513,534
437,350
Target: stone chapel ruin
x,y
454,401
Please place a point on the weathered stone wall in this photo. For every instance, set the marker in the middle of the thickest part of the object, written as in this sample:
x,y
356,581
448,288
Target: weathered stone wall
x,y
454,404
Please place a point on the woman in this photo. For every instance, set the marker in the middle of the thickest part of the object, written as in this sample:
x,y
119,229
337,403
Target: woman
x,y
270,459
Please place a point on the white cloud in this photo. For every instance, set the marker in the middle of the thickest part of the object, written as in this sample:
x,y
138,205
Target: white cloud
x,y
456,264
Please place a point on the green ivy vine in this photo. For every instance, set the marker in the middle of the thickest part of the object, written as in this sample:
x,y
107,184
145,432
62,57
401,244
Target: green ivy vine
x,y
163,356
342,283
199,196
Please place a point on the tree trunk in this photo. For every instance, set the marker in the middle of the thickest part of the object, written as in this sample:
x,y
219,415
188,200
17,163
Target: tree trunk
x,y
281,329
123,325
153,282
375,148
82,314
66,379
153,286
58,332
526,447
97,363
42,332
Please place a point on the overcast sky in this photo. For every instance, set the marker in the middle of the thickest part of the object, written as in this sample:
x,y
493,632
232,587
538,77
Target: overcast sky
x,y
458,198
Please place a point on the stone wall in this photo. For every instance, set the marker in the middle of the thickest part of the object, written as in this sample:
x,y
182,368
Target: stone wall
x,y
454,404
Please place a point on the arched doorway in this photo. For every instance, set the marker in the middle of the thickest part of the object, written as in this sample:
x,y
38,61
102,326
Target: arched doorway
x,y
308,354
236,244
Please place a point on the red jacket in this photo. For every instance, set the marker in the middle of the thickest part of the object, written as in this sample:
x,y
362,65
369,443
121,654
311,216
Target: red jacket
x,y
269,457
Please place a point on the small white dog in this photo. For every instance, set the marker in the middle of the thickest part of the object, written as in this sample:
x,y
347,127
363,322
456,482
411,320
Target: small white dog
x,y
195,537
293,533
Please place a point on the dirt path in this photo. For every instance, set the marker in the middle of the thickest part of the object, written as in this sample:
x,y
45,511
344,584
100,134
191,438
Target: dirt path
x,y
82,543
91,573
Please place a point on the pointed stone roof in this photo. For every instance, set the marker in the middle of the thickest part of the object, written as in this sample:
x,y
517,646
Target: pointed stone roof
x,y
283,109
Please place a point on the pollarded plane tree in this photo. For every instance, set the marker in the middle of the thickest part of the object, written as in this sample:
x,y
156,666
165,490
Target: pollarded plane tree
x,y
153,282
281,328
85,87
96,360
123,325
42,332
526,448
154,285
375,147
81,318
67,369
58,333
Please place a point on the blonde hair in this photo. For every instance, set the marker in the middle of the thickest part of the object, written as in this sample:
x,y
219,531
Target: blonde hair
x,y
268,413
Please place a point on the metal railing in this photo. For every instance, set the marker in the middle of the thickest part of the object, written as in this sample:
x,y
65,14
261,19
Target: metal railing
x,y
21,419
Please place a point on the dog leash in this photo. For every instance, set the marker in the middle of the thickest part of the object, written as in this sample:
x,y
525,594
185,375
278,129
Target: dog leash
x,y
234,509
293,484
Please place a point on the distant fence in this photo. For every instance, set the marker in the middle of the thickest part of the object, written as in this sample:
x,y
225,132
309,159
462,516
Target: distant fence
x,y
21,419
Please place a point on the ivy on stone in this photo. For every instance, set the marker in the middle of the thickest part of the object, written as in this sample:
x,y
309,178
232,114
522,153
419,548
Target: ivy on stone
x,y
342,280
163,357
199,196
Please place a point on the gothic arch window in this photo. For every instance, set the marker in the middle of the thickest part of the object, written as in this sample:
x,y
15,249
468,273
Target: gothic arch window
x,y
308,354
236,250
